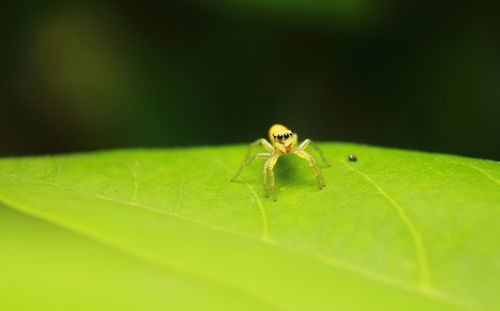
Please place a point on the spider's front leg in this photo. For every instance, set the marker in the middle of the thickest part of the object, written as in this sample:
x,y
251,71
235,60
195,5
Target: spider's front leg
x,y
308,142
248,158
268,169
313,165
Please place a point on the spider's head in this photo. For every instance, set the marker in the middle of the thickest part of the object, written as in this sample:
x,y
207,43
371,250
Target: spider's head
x,y
282,135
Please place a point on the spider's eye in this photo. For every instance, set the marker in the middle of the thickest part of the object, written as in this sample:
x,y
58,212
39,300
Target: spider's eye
x,y
280,136
274,136
286,136
291,133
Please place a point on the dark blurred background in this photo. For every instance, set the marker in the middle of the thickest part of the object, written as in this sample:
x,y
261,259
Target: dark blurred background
x,y
92,75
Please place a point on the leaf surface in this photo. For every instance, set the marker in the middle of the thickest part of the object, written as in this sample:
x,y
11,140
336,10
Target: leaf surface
x,y
166,229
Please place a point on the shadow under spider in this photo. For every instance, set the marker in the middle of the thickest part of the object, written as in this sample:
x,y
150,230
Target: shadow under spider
x,y
289,172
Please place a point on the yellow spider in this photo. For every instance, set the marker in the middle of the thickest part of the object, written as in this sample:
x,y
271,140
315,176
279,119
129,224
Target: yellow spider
x,y
283,141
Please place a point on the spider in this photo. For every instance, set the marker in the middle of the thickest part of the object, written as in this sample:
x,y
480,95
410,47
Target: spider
x,y
282,141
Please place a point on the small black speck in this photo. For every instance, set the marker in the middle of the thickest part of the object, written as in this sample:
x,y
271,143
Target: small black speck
x,y
353,158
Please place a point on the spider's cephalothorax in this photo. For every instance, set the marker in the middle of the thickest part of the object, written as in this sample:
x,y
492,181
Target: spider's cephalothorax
x,y
283,141
282,138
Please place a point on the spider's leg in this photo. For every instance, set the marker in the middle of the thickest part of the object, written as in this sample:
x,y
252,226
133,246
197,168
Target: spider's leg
x,y
269,147
268,166
248,160
264,180
313,165
306,143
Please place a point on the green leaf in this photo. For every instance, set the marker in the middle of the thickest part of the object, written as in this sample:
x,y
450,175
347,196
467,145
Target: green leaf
x,y
166,230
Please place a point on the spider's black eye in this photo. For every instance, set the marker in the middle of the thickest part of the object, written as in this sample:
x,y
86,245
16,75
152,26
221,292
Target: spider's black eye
x,y
291,133
280,136
286,136
274,136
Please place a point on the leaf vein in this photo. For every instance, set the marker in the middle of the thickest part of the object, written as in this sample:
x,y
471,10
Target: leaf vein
x,y
488,175
422,259
265,223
